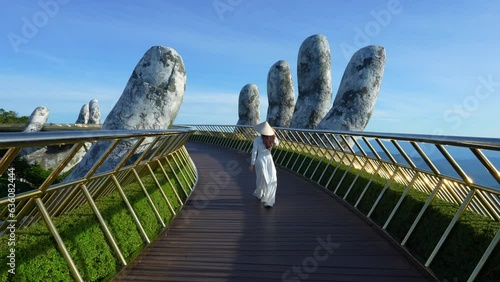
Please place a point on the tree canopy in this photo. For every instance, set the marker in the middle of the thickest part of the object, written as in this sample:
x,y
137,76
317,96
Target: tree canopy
x,y
12,117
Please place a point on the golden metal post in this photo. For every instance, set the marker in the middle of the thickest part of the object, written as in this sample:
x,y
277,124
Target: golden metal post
x,y
488,199
8,158
60,244
422,211
172,210
354,157
104,227
485,257
386,186
175,175
53,175
356,178
367,185
131,210
130,153
170,184
450,227
403,196
184,156
174,157
148,197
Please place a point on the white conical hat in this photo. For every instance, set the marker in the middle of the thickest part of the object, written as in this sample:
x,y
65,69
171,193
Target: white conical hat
x,y
264,128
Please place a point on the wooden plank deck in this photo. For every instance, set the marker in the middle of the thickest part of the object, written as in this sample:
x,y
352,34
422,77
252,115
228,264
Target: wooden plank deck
x,y
225,234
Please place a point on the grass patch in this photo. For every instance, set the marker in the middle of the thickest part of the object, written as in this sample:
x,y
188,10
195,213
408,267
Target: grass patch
x,y
461,251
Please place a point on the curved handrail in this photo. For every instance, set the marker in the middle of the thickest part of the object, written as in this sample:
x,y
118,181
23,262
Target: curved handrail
x,y
478,142
136,153
22,139
437,166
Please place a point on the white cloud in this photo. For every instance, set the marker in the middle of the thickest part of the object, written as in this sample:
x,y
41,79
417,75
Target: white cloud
x,y
42,55
434,57
63,98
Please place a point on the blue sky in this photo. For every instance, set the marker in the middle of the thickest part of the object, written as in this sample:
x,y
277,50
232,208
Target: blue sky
x,y
442,73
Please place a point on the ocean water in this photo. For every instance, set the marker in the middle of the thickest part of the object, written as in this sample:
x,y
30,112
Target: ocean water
x,y
465,158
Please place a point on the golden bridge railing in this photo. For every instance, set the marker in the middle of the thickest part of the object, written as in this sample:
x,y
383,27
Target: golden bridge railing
x,y
149,150
458,170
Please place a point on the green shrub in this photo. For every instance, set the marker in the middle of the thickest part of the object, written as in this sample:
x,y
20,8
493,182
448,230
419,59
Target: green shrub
x,y
33,174
38,258
462,250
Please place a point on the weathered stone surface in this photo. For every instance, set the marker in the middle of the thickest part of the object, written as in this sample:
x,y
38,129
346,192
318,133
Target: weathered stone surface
x,y
83,117
35,123
314,82
151,100
154,92
94,112
280,94
51,157
358,91
249,105
37,119
46,157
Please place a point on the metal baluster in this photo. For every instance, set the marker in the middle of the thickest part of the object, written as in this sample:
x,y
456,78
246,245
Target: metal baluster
x,y
450,227
403,196
104,226
60,244
172,210
130,209
485,257
422,211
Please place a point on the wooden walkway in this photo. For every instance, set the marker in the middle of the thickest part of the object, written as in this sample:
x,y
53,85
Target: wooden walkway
x,y
225,234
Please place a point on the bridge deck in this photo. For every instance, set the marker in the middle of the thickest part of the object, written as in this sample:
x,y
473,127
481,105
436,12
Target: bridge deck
x,y
225,234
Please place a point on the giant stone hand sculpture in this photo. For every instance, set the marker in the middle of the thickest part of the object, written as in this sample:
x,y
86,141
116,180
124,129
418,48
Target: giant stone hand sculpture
x,y
314,81
151,100
249,105
358,91
280,94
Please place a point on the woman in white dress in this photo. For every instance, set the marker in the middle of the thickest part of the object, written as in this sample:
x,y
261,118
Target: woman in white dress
x,y
263,165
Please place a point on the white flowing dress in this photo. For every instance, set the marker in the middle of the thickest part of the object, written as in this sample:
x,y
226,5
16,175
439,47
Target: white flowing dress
x,y
265,171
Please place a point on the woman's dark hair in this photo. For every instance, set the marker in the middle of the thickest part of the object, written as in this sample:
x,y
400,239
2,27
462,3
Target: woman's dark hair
x,y
268,141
